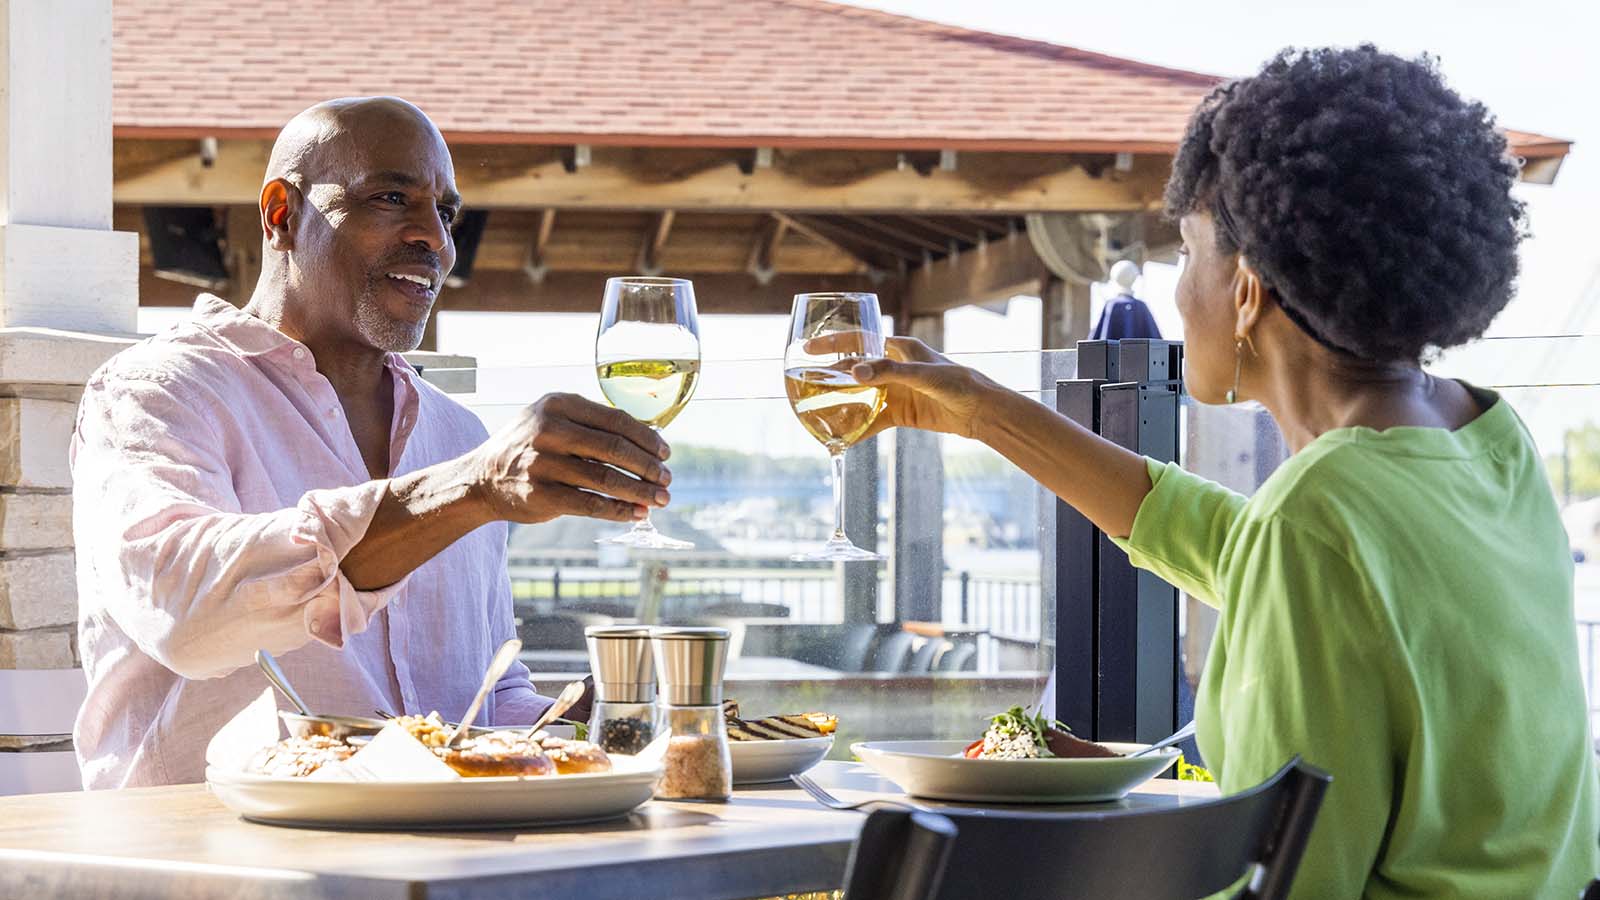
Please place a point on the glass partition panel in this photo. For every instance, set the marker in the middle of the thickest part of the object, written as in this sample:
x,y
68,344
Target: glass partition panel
x,y
926,644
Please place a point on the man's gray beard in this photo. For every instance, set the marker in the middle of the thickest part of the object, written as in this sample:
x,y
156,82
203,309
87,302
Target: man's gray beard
x,y
383,332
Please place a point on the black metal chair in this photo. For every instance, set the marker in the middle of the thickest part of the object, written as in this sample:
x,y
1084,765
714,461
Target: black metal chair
x,y
901,854
1592,892
1176,853
921,662
851,650
957,658
892,653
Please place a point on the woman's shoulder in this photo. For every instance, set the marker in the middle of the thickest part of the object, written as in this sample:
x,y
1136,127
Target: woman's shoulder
x,y
1360,482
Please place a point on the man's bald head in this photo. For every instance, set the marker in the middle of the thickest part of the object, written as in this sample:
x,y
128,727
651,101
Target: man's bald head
x,y
356,208
328,135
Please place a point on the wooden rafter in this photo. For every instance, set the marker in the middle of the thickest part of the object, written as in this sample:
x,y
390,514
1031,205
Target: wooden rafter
x,y
800,227
898,234
850,235
764,249
950,227
987,227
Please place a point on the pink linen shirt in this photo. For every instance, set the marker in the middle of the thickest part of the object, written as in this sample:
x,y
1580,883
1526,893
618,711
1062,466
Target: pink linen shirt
x,y
216,487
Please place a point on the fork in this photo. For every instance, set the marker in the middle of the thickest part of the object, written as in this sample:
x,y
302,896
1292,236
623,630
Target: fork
x,y
826,799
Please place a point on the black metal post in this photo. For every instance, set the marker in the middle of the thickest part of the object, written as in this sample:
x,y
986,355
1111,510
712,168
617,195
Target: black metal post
x,y
1137,633
1076,576
1116,627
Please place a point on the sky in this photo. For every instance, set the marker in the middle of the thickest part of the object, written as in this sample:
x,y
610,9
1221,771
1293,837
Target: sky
x,y
1534,64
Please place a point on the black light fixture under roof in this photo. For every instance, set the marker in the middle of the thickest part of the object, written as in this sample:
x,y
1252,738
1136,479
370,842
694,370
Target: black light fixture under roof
x,y
186,245
468,231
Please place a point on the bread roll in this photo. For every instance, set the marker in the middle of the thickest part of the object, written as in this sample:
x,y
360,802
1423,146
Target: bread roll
x,y
576,757
498,754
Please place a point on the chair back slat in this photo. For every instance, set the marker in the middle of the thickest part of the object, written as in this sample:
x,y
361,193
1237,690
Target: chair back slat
x,y
1171,853
1290,836
901,855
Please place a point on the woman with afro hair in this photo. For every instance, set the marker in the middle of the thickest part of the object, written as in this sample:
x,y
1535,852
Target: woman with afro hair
x,y
1396,600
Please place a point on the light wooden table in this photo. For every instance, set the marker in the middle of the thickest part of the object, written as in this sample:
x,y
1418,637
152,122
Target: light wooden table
x,y
179,842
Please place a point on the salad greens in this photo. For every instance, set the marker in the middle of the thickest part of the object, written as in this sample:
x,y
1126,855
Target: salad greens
x,y
1016,721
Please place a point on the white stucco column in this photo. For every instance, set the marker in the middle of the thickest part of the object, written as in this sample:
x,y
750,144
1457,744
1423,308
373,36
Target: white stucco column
x,y
68,300
61,265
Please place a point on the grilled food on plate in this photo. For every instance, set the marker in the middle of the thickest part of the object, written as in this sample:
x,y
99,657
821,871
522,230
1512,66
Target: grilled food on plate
x,y
777,728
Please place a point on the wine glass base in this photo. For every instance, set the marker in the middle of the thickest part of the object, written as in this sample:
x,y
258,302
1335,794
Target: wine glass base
x,y
646,539
837,551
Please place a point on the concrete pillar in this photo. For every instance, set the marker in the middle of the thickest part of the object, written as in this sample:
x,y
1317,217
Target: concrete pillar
x,y
68,296
918,525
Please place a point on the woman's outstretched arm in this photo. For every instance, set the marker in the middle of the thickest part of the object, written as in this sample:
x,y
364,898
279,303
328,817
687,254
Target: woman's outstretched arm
x,y
1105,482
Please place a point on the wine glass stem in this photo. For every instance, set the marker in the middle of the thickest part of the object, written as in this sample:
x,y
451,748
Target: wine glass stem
x,y
838,496
644,525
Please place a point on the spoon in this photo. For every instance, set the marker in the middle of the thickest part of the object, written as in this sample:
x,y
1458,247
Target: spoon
x,y
570,694
503,658
1167,741
280,681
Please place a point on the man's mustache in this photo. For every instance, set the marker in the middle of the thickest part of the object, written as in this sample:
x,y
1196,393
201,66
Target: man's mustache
x,y
413,256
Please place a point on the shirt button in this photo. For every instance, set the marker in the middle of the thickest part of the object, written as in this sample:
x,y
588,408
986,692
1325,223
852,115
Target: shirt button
x,y
299,353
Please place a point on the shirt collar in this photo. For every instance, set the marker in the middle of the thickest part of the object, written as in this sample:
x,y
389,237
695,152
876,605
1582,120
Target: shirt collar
x,y
250,336
246,334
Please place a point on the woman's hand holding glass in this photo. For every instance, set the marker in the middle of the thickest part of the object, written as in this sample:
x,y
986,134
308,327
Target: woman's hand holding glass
x,y
923,389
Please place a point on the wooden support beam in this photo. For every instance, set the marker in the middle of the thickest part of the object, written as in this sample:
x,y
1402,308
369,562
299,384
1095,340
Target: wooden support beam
x,y
899,234
168,173
952,227
764,250
1065,312
537,264
649,262
244,234
991,271
820,237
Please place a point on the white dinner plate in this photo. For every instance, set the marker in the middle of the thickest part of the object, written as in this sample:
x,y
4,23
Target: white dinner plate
x,y
468,803
937,770
755,762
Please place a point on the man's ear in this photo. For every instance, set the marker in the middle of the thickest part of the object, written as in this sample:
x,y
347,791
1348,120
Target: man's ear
x,y
280,205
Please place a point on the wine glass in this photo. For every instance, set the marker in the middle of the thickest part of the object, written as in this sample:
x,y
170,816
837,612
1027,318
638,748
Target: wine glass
x,y
828,334
647,357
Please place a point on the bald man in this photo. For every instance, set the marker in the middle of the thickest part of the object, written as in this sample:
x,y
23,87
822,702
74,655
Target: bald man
x,y
277,477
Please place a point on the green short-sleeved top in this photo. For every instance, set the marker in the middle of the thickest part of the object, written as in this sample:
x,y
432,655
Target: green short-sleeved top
x,y
1396,607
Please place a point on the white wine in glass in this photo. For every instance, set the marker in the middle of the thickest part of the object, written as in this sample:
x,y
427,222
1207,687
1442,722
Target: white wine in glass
x,y
653,391
647,358
828,335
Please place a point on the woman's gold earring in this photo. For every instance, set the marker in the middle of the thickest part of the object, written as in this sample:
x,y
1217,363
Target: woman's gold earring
x,y
1238,363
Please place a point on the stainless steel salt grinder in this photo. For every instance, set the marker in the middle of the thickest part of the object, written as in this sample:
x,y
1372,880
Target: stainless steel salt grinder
x,y
622,662
689,664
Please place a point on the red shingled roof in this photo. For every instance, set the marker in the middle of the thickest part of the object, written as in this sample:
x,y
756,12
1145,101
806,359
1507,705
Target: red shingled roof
x,y
789,73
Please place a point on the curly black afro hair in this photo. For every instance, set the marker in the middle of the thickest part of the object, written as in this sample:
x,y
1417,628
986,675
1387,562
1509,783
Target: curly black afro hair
x,y
1371,198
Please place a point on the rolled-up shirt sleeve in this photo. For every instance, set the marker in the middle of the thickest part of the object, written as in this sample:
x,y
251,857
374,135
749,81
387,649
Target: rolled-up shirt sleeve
x,y
200,585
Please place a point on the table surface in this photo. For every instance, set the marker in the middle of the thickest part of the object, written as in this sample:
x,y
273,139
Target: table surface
x,y
180,842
